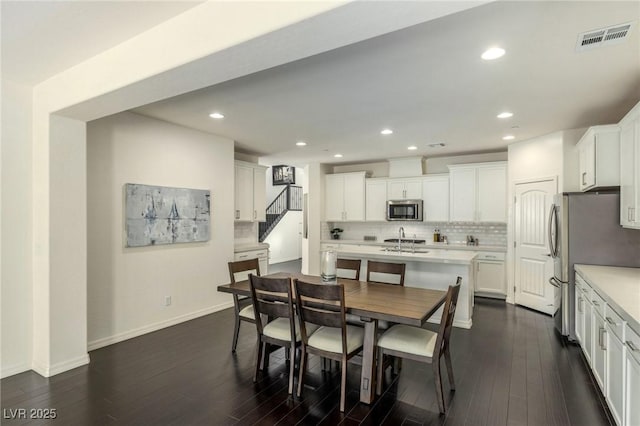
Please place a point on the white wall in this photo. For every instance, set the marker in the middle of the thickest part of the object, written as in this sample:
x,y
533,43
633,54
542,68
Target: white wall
x,y
552,155
127,286
285,239
430,165
16,278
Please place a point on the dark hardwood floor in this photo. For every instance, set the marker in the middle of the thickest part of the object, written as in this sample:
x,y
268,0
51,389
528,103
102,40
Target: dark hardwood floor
x,y
510,369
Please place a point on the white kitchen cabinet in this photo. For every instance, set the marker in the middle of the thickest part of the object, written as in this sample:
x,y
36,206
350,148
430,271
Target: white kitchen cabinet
x,y
249,192
262,255
599,354
632,378
492,193
630,169
404,189
579,314
490,275
478,192
345,197
599,155
435,196
376,200
614,363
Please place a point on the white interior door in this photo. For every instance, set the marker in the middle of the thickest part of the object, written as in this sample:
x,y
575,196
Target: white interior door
x,y
533,263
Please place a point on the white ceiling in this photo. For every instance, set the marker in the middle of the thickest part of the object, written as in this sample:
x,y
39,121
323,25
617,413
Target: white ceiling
x,y
426,82
42,38
429,85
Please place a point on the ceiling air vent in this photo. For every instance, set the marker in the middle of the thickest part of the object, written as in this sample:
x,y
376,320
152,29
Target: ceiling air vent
x,y
603,37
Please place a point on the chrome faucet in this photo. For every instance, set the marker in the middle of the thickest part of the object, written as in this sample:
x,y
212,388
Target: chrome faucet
x,y
400,237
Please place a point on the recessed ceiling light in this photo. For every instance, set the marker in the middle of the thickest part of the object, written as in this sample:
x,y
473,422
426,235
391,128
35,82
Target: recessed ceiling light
x,y
493,53
216,115
386,132
412,148
338,155
508,137
505,114
301,143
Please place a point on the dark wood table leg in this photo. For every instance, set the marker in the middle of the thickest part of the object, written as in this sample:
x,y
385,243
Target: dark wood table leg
x,y
367,380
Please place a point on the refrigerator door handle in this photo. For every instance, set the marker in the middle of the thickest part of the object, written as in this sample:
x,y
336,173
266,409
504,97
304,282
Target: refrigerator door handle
x,y
554,282
552,221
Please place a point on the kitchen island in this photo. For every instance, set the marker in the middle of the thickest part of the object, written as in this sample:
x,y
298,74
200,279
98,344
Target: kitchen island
x,y
426,268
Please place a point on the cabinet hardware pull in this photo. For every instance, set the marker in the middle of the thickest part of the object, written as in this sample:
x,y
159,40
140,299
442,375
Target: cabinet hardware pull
x,y
631,346
601,338
584,175
237,214
580,300
611,321
604,342
595,302
629,214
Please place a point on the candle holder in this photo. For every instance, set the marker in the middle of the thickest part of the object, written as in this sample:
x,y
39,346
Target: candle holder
x,y
328,262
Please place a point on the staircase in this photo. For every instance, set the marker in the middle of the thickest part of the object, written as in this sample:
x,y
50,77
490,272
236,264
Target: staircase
x,y
290,199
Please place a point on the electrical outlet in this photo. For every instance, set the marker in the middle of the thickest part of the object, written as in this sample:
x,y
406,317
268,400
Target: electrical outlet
x,y
167,300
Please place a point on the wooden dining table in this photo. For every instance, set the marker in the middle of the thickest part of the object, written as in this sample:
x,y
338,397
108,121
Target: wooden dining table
x,y
371,302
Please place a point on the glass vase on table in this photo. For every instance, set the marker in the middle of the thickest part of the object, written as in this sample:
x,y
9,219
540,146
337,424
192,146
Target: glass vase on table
x,y
328,266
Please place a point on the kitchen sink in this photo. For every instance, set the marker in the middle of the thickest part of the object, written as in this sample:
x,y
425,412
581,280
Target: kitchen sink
x,y
405,250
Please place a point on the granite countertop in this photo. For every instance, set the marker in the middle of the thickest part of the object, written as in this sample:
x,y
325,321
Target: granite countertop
x,y
239,248
620,287
459,257
428,245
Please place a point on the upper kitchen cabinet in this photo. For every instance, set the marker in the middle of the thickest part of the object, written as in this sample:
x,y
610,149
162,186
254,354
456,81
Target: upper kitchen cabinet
x,y
478,192
376,200
435,193
250,192
599,151
344,197
630,169
404,189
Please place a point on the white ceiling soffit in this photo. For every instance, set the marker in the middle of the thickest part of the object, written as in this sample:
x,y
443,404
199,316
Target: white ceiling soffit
x,y
43,38
429,85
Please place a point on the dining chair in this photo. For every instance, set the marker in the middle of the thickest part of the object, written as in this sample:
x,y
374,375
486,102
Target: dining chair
x,y
386,272
352,266
273,305
323,305
243,308
422,345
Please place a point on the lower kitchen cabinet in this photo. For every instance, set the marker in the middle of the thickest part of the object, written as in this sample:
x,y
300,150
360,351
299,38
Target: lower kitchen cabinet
x,y
490,275
611,348
599,355
632,379
615,372
262,255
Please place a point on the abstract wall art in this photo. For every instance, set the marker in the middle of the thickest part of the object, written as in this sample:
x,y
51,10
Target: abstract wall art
x,y
163,215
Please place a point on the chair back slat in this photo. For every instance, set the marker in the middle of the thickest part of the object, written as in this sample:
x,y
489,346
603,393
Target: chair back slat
x,y
380,269
446,322
239,271
351,265
320,304
272,297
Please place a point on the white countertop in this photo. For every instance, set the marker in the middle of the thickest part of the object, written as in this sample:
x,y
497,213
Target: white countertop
x,y
620,287
428,245
459,257
239,248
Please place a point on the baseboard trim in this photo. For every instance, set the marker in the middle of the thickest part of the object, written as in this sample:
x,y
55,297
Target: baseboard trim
x,y
60,367
456,323
121,337
14,369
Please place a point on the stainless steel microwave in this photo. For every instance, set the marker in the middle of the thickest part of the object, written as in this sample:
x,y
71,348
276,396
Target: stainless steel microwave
x,y
404,210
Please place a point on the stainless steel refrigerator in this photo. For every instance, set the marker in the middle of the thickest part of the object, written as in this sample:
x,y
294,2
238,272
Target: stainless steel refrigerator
x,y
584,228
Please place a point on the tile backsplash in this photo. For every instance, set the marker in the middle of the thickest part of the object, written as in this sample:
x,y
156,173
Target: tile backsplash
x,y
492,234
245,232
